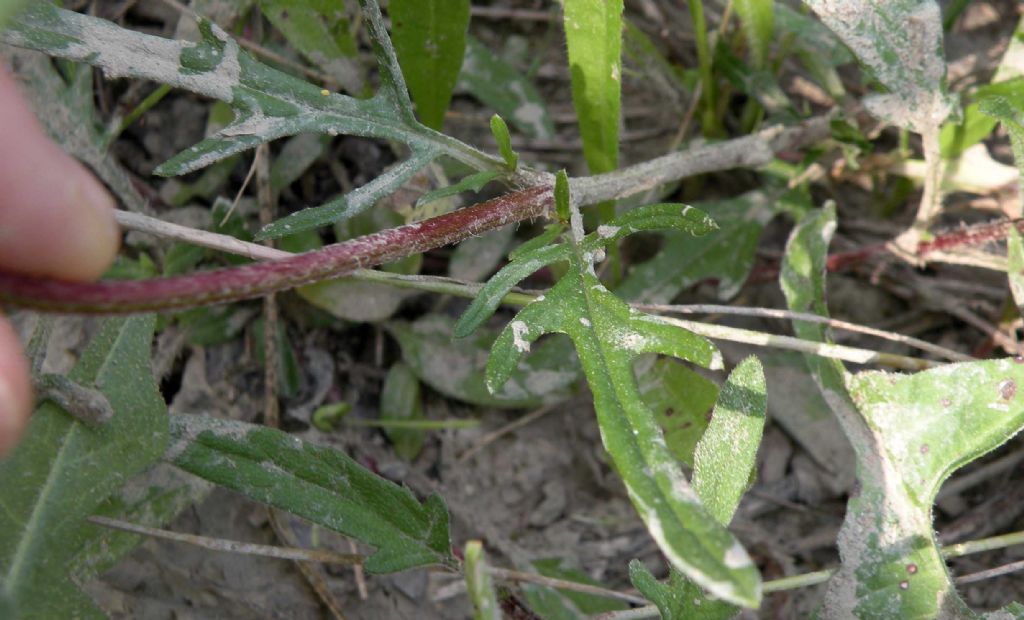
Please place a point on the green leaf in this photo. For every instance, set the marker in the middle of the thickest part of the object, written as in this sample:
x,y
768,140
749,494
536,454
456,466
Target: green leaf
x,y
63,470
320,31
725,457
471,183
557,603
909,433
400,400
349,205
455,367
758,20
479,584
680,598
608,335
547,237
922,428
500,132
726,255
818,50
593,33
901,42
681,400
7,9
430,40
502,88
316,483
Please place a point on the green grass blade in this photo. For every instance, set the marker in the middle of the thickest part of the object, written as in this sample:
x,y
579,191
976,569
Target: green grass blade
x,y
758,20
316,483
430,39
593,33
63,470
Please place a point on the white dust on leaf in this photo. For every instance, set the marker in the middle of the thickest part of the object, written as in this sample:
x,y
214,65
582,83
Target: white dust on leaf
x,y
519,330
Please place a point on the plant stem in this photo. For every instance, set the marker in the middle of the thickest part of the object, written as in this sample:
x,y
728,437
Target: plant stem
x,y
256,280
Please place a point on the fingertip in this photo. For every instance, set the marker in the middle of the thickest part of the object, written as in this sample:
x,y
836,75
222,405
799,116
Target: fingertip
x,y
15,389
56,218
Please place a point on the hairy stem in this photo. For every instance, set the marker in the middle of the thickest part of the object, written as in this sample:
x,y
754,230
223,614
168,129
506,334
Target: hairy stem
x,y
249,281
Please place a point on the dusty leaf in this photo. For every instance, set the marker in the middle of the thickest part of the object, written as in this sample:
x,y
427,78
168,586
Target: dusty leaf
x,y
316,483
63,470
909,433
901,42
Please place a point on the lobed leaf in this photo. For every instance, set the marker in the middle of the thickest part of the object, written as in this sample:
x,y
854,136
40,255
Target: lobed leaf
x,y
608,335
316,483
724,462
681,400
430,40
63,470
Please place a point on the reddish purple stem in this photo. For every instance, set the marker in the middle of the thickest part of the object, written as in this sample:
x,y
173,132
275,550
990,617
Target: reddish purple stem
x,y
258,279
